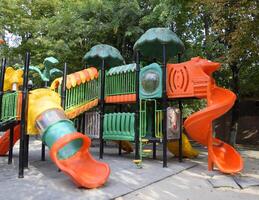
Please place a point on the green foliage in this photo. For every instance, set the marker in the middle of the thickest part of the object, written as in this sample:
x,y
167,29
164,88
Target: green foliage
x,y
221,30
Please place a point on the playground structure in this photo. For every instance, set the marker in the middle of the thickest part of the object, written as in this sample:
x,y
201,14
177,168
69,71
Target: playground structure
x,y
149,118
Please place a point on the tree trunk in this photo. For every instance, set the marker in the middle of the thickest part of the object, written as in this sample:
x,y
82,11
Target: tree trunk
x,y
235,109
206,32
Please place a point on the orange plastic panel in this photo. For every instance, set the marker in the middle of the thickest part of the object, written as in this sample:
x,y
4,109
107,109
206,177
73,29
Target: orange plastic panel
x,y
72,113
188,79
127,98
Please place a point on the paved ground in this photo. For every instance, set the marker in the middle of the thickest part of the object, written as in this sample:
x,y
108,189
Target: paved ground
x,y
187,180
195,184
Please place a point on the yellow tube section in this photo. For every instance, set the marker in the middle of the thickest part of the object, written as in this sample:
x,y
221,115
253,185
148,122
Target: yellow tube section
x,y
40,100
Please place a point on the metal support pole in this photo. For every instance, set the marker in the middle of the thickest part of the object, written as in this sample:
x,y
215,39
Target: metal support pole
x,y
2,84
181,124
63,91
83,128
154,150
120,147
181,132
43,158
102,110
26,151
120,142
137,136
153,130
164,100
78,126
10,154
24,115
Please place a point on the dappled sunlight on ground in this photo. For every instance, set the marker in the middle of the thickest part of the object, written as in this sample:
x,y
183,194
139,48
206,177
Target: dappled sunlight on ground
x,y
187,180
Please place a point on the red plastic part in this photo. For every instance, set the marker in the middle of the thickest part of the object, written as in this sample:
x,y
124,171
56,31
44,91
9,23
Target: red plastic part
x,y
84,170
193,79
4,140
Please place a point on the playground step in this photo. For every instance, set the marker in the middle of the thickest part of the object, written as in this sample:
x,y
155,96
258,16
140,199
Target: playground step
x,y
147,150
137,161
144,140
152,139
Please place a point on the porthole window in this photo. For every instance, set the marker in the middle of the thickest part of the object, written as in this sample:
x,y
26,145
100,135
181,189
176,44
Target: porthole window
x,y
150,81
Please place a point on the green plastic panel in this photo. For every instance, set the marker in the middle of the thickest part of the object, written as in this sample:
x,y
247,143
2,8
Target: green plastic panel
x,y
121,69
150,82
120,80
119,126
58,130
9,107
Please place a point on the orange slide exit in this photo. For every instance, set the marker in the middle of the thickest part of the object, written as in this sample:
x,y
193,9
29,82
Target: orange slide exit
x,y
84,170
4,140
196,80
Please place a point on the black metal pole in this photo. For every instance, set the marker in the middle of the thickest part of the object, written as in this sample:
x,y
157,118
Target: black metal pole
x,y
2,84
164,100
78,124
102,110
83,128
43,147
27,137
63,90
120,142
24,115
10,154
26,151
64,83
153,130
43,158
137,156
120,147
181,131
181,124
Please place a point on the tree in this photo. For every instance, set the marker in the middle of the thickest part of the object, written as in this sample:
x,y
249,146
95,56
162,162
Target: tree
x,y
235,25
218,30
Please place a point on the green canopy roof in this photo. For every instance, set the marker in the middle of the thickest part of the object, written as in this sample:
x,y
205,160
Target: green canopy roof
x,y
50,61
122,69
150,44
109,54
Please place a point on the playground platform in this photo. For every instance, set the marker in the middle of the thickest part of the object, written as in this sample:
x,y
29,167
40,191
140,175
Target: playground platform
x,y
186,180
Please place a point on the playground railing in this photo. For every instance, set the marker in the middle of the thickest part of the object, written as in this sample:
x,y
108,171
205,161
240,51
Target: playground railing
x,y
92,124
9,107
120,80
81,94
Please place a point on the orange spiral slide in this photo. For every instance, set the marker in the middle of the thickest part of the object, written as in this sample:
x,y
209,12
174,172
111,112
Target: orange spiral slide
x,y
194,79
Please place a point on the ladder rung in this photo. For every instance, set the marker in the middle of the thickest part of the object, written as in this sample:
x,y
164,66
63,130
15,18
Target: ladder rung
x,y
137,161
144,140
147,150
